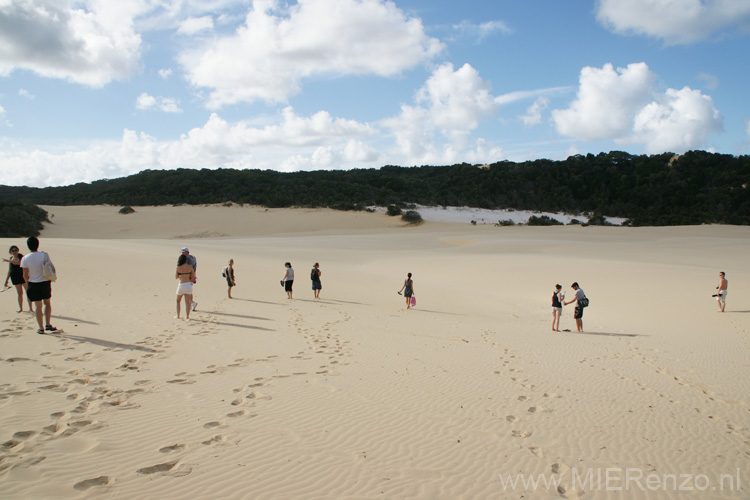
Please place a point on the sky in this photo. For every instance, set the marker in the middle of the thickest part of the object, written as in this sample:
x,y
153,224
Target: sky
x,y
99,89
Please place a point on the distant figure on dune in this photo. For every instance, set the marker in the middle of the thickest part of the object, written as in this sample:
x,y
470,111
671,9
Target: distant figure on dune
x,y
288,279
15,276
39,290
229,274
317,286
185,275
557,299
193,262
721,296
578,313
408,289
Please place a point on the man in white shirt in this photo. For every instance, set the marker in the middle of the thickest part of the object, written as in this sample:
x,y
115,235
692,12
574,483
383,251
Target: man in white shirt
x,y
578,314
40,289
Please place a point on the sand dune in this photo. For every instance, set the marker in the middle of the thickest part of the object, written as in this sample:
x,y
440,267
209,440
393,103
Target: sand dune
x,y
352,396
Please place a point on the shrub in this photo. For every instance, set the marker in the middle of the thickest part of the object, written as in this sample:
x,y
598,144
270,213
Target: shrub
x,y
21,220
543,220
505,222
412,217
127,210
393,210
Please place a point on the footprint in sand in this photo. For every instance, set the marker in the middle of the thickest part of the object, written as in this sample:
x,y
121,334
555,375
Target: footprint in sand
x,y
536,451
216,439
235,414
165,467
90,483
24,435
511,418
521,434
211,425
170,449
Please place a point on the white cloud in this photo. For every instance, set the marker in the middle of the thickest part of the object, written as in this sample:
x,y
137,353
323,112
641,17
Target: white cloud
x,y
481,31
166,104
90,43
3,121
294,143
25,93
624,107
528,94
674,21
606,103
194,25
679,121
533,114
451,103
165,73
267,57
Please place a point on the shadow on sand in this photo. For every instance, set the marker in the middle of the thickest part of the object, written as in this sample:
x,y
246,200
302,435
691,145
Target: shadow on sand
x,y
107,343
250,327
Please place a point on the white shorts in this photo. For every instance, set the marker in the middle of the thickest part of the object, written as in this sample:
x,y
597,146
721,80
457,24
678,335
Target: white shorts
x,y
556,311
185,289
722,297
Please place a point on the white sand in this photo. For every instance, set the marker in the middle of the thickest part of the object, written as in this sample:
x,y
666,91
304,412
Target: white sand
x,y
352,396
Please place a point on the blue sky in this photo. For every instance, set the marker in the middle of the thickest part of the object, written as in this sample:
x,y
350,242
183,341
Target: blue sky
x,y
97,89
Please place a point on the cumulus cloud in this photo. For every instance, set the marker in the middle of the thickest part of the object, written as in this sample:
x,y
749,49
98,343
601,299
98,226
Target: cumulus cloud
x,y
674,21
294,143
606,102
268,56
624,106
194,25
90,43
25,93
165,104
165,73
680,120
451,103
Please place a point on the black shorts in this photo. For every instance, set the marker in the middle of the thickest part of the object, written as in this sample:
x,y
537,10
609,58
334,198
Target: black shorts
x,y
578,313
17,279
229,283
39,291
288,285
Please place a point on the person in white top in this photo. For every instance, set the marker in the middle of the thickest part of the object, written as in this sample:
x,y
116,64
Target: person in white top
x,y
288,279
578,313
39,290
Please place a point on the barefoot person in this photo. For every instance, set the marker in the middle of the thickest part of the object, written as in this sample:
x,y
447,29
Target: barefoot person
x,y
39,290
408,290
193,262
185,275
317,286
578,314
15,276
288,279
557,300
721,296
230,277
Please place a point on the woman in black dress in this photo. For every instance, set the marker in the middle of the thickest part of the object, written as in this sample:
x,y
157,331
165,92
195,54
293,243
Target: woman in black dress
x,y
15,275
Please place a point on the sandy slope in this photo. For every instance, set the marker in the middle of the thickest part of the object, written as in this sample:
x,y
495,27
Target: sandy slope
x,y
354,397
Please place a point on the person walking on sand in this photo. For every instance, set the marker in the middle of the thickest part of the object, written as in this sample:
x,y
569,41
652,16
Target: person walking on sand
x,y
408,290
15,276
185,274
229,273
557,299
721,296
39,290
578,313
288,279
193,262
315,278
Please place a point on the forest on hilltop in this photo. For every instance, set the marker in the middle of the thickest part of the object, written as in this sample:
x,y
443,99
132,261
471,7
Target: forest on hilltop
x,y
694,188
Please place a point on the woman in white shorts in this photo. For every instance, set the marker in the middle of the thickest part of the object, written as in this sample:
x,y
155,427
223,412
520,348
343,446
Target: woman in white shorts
x,y
557,300
185,275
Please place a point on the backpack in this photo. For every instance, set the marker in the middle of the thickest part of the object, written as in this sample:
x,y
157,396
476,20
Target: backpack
x,y
224,272
314,274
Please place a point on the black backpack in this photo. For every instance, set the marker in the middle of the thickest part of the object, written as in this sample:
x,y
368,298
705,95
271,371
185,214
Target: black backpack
x,y
314,274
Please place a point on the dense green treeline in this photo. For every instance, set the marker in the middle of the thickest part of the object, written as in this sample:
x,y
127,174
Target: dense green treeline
x,y
697,187
21,219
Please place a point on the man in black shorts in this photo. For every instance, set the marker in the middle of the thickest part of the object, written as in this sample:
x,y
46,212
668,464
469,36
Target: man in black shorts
x,y
40,289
